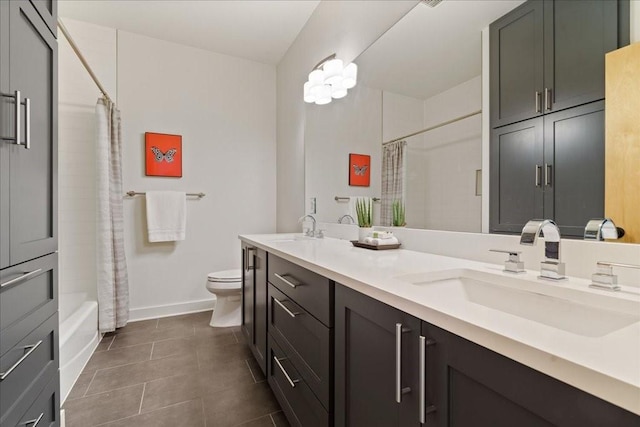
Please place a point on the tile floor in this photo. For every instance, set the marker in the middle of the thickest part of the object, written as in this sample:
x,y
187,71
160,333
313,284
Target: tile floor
x,y
173,371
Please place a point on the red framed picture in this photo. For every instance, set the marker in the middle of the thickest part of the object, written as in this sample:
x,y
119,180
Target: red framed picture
x,y
163,154
359,170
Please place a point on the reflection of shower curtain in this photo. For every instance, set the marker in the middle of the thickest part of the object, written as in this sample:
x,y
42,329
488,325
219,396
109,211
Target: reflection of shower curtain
x,y
113,283
392,178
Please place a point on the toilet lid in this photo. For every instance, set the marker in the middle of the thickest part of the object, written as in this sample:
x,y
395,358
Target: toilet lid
x,y
225,276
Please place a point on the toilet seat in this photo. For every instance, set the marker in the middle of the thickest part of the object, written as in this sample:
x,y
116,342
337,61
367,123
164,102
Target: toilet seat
x,y
225,276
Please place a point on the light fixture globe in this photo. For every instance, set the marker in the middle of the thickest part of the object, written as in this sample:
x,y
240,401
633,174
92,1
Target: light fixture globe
x,y
308,97
338,91
333,70
350,75
324,95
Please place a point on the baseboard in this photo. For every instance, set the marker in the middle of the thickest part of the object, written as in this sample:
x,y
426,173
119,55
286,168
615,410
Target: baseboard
x,y
153,312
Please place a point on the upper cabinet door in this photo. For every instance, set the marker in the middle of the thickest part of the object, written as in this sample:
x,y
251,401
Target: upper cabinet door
x,y
577,35
48,11
33,171
6,104
516,60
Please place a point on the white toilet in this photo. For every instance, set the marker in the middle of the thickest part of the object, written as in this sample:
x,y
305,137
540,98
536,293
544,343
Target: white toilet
x,y
227,287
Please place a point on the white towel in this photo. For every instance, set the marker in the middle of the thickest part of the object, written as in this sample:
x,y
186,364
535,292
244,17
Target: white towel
x,y
166,215
381,242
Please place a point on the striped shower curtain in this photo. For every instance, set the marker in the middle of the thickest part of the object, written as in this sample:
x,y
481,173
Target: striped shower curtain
x,y
392,179
113,283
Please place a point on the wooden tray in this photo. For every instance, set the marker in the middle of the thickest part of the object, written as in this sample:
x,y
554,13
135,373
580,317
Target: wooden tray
x,y
374,247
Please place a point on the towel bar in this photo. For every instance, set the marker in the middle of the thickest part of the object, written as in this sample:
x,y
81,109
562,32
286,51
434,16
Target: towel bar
x,y
346,199
142,193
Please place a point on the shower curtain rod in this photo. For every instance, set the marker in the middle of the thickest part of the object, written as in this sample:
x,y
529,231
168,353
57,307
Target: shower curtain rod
x,y
448,122
75,48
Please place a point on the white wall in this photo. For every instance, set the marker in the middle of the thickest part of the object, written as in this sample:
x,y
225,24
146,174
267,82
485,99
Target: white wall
x,y
224,108
76,165
348,125
635,20
401,115
346,28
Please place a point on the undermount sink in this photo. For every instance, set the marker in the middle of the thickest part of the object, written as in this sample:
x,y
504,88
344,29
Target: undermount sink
x,y
292,238
571,310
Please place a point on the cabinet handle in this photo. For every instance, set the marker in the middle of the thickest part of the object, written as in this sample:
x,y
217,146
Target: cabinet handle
x,y
547,99
289,312
29,349
291,382
399,390
18,118
34,422
424,409
293,285
27,122
24,276
538,94
247,258
538,173
547,174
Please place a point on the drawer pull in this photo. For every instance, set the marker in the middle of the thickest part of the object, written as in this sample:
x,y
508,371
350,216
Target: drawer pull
x,y
424,410
24,276
291,382
293,285
34,422
29,349
289,312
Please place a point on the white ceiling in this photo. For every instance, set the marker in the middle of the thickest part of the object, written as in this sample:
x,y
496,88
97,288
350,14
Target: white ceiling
x,y
431,49
257,30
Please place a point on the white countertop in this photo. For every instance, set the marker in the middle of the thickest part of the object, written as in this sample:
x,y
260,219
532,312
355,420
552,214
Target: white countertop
x,y
606,365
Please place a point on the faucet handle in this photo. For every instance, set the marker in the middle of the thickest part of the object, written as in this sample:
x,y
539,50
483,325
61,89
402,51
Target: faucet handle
x,y
604,278
513,264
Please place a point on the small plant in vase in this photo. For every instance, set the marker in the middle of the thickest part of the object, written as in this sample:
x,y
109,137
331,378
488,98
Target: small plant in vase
x,y
398,214
364,212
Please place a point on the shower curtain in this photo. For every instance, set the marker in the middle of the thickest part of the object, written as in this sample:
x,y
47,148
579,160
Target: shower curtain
x,y
113,283
392,179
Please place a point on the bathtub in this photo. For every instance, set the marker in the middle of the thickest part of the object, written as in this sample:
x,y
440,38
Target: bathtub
x,y
79,337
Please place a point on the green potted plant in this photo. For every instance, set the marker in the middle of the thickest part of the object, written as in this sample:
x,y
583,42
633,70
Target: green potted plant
x,y
398,214
364,212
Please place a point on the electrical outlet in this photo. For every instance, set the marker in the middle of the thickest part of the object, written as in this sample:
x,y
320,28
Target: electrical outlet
x,y
312,207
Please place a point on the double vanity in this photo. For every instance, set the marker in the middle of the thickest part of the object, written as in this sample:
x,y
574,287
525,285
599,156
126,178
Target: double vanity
x,y
348,336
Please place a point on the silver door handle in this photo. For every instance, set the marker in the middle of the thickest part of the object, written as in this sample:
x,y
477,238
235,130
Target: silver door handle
x,y
538,173
424,409
293,285
27,122
18,118
547,99
247,258
24,276
30,349
289,312
538,102
547,174
292,383
34,422
399,390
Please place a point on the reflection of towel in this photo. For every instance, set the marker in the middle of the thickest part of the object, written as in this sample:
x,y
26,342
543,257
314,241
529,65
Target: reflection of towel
x,y
352,205
166,215
381,242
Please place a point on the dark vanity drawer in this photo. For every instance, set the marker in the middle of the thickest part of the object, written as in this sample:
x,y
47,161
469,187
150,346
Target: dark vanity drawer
x,y
308,289
298,402
26,369
305,341
45,410
28,297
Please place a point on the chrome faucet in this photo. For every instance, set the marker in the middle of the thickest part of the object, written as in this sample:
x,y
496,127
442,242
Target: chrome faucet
x,y
551,267
353,221
604,278
312,232
600,229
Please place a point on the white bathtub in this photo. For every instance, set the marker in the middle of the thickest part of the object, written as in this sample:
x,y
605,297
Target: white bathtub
x,y
79,337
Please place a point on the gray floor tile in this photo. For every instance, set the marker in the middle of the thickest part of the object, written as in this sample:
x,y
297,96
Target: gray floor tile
x,y
104,407
81,386
174,347
186,414
137,373
206,331
104,343
265,421
118,357
255,370
209,355
151,335
175,321
239,405
279,420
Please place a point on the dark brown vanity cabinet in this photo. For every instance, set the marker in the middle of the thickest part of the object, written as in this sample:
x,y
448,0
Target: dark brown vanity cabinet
x,y
549,167
548,55
300,362
254,302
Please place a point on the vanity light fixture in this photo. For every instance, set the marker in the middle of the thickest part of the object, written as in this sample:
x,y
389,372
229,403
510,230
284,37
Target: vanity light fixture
x,y
330,79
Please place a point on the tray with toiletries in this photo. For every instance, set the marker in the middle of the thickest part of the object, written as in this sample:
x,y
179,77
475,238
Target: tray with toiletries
x,y
374,247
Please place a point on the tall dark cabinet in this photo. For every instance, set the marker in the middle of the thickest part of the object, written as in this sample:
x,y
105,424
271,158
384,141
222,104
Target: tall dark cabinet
x,y
254,301
547,113
29,383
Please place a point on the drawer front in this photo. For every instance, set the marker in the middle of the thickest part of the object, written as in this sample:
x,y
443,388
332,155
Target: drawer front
x,y
308,289
28,366
294,395
45,411
28,297
304,340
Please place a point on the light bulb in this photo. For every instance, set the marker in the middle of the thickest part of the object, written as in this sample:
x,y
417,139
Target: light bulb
x,y
350,74
324,96
308,97
338,91
333,71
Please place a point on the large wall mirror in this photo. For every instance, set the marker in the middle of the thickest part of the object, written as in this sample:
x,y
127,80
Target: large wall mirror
x,y
421,73
421,89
